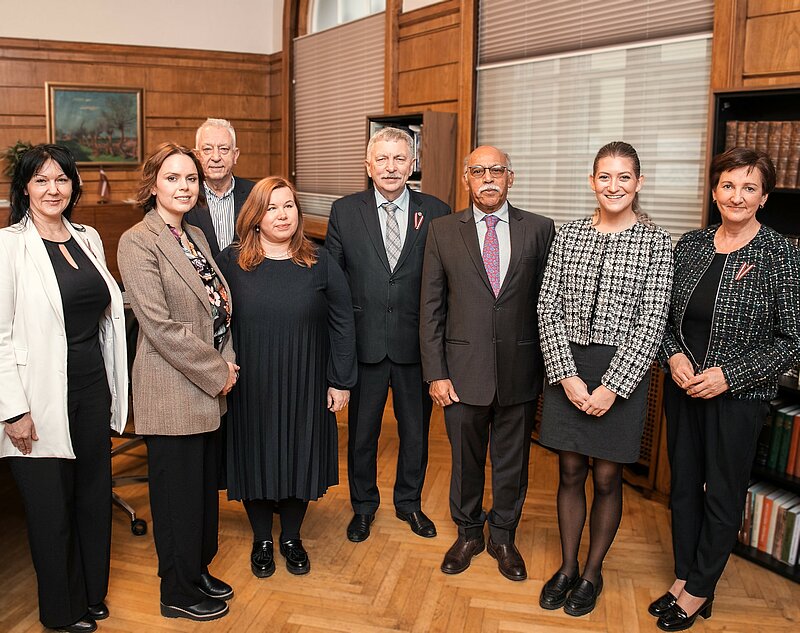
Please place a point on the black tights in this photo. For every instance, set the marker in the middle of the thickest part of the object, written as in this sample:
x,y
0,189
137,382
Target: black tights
x,y
605,516
260,512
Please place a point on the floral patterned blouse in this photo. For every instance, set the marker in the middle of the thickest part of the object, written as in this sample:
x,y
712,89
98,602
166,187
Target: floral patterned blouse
x,y
217,294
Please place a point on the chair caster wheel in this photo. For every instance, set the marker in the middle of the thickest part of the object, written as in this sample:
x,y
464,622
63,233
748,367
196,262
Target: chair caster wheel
x,y
139,527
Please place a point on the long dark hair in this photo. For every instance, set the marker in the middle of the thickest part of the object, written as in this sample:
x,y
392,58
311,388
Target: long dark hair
x,y
29,164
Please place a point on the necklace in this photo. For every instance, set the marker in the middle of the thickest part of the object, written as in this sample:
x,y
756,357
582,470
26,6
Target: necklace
x,y
281,255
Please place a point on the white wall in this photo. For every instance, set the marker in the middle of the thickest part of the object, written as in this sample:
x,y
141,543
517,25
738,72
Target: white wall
x,y
245,26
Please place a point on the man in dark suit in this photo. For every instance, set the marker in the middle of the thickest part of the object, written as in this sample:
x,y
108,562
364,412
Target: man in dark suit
x,y
378,238
215,145
480,352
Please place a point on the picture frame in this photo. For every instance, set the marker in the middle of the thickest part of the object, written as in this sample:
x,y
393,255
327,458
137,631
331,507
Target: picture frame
x,y
101,125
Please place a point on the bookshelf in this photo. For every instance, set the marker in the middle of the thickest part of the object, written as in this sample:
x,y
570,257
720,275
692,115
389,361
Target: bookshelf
x,y
434,134
767,119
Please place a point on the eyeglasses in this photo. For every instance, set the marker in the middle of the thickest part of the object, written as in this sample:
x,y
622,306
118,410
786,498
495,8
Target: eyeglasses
x,y
477,171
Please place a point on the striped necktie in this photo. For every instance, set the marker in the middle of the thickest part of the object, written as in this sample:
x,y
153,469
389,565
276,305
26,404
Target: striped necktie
x,y
392,234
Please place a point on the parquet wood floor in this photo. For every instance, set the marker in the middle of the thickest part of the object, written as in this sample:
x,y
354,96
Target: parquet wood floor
x,y
392,581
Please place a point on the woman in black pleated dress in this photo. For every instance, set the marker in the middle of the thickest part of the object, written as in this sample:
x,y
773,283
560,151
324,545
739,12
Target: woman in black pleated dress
x,y
294,335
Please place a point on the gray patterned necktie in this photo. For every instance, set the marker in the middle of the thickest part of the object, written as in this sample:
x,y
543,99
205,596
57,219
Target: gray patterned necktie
x,y
392,234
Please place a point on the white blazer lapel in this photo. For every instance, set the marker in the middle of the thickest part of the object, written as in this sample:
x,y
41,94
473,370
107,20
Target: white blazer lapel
x,y
37,253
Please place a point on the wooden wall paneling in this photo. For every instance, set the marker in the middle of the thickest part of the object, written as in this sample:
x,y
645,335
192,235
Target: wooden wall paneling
x,y
767,7
728,43
772,45
290,23
181,88
467,85
392,51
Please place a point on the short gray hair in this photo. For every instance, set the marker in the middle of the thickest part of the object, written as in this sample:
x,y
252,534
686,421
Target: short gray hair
x,y
223,123
391,134
505,156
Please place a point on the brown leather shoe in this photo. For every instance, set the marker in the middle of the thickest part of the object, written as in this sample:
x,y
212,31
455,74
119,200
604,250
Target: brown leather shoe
x,y
509,560
460,554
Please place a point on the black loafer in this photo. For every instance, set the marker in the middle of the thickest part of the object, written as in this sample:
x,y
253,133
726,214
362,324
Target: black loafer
x,y
214,587
676,619
660,606
420,524
98,611
297,562
555,591
583,597
262,561
84,625
358,530
208,609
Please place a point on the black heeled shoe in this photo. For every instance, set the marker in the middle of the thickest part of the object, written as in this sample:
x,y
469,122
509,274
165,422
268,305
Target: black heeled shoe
x,y
661,605
676,618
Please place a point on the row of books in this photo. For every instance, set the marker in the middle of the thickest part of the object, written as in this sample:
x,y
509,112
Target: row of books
x,y
779,442
771,522
779,139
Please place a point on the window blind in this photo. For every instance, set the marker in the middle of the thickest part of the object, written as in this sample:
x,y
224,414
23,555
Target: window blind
x,y
515,29
553,115
338,81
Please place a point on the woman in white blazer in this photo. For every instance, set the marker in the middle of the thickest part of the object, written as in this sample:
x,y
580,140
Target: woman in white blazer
x,y
63,371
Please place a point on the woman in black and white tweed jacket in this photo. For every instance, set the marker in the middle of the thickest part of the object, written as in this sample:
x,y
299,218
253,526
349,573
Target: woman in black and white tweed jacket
x,y
733,328
602,313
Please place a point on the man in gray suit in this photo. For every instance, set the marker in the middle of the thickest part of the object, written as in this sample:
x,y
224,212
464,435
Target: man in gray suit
x,y
378,237
215,146
480,353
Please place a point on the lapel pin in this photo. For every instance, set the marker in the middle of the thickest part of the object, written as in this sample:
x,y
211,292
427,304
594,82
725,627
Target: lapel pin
x,y
746,268
418,218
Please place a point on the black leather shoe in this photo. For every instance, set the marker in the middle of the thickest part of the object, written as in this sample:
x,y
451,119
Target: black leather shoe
x,y
420,524
460,554
85,625
98,611
297,562
660,606
208,609
676,619
555,591
358,530
509,560
262,561
214,587
583,597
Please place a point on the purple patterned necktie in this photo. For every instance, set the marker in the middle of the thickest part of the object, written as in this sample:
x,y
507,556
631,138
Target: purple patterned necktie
x,y
491,253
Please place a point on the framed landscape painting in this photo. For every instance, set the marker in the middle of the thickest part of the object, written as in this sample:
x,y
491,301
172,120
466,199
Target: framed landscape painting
x,y
100,125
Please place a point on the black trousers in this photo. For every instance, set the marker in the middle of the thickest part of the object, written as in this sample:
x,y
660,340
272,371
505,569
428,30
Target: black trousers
x,y
68,511
711,446
412,408
184,503
507,433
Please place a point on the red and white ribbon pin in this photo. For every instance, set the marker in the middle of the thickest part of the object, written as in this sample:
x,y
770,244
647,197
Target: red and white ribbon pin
x,y
746,268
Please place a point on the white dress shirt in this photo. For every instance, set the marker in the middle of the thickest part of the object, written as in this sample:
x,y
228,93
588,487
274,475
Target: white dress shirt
x,y
503,235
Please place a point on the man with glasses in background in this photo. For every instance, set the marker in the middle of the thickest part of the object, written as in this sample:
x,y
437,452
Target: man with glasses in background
x,y
480,353
215,146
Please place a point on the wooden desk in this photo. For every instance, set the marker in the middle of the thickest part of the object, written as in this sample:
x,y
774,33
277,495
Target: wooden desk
x,y
111,221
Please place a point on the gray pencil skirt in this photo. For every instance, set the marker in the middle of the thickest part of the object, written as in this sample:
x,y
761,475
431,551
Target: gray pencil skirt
x,y
615,436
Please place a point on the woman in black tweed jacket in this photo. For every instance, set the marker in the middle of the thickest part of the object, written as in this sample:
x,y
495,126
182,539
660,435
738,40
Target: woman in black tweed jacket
x,y
733,328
